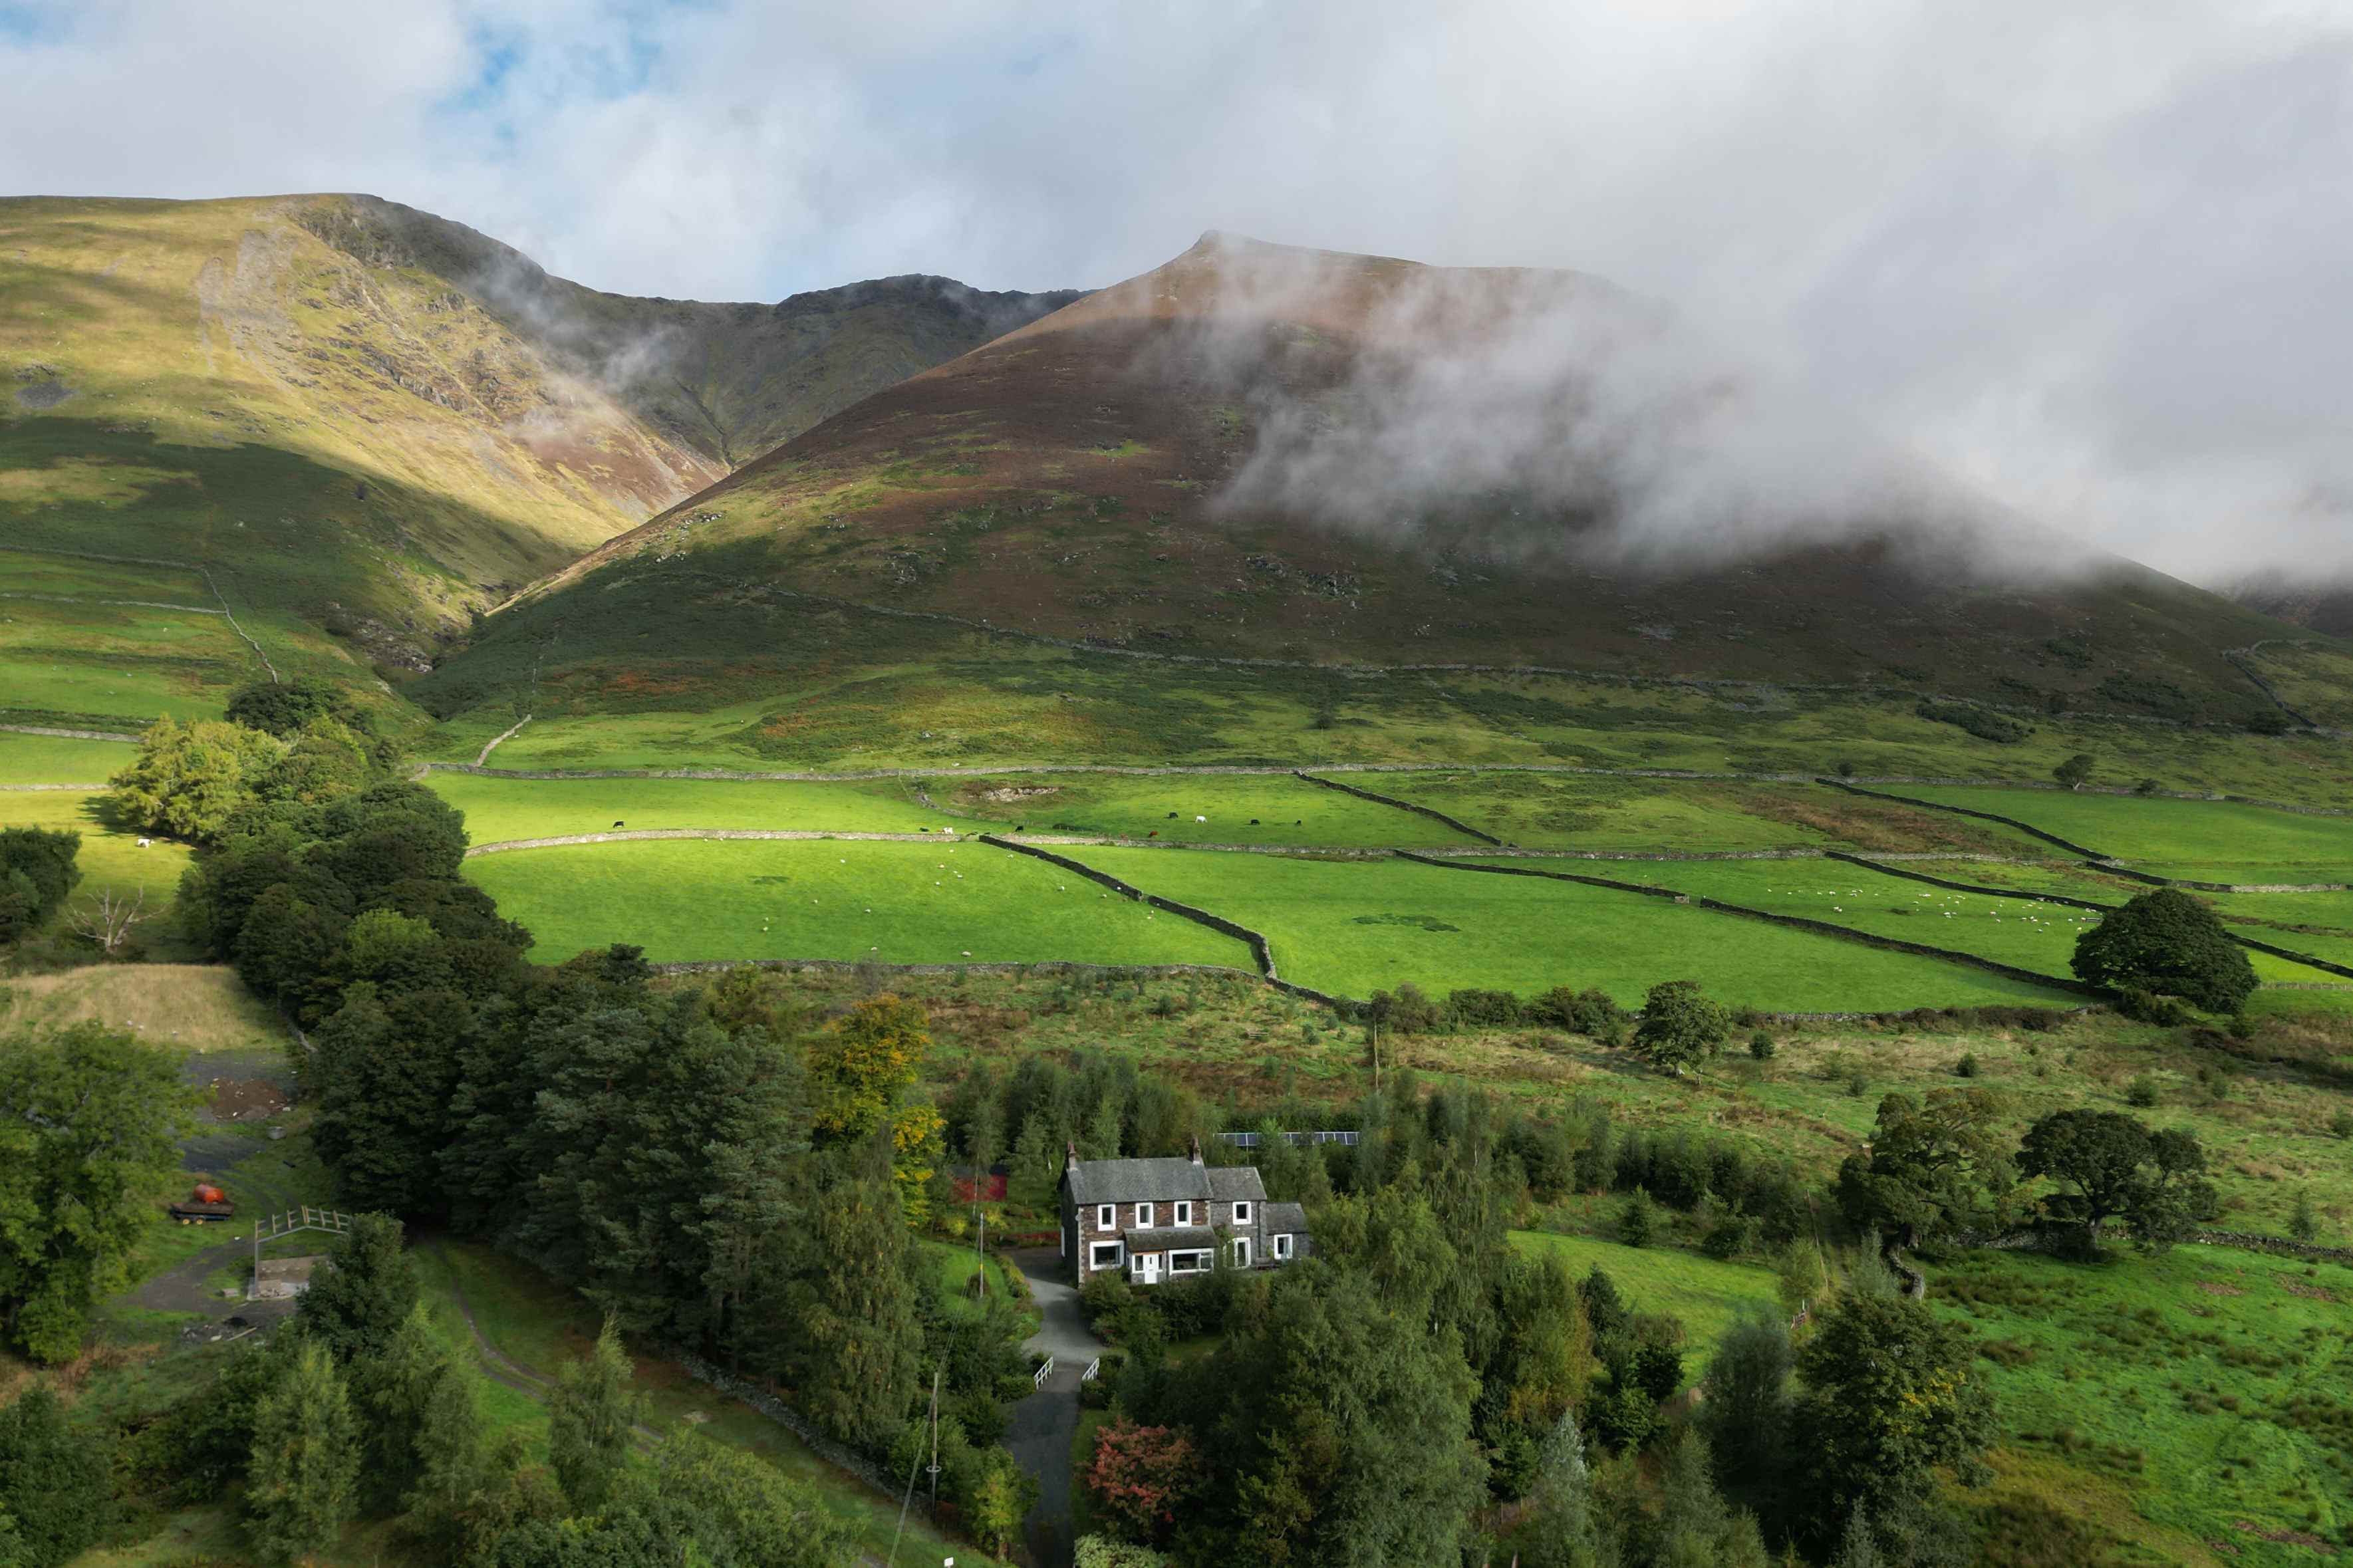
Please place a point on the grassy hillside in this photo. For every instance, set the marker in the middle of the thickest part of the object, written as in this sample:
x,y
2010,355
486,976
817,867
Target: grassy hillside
x,y
370,419
1072,481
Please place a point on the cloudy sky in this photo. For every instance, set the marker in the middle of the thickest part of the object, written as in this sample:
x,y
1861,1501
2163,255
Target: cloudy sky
x,y
2096,258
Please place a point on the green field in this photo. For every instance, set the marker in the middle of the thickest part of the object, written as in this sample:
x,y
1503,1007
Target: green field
x,y
1355,927
2173,837
895,903
110,858
53,759
1708,1295
498,809
1238,809
2024,931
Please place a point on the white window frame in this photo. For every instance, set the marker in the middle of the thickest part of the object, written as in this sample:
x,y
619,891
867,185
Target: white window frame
x,y
1282,1248
1143,1216
1197,1262
1106,1216
1241,1211
1183,1212
1096,1250
1242,1252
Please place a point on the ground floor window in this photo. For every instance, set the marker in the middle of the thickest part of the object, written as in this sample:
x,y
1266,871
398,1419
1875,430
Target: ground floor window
x,y
1189,1262
1281,1247
1104,1255
1242,1252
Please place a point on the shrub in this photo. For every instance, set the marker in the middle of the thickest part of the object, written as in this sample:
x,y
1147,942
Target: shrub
x,y
1760,1046
1967,1066
2141,1091
1483,1009
1102,1551
1105,1299
1141,1476
1982,722
1406,1010
2341,1124
1857,1086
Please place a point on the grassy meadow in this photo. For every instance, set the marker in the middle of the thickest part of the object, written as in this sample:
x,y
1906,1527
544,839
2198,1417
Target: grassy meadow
x,y
498,809
896,903
56,758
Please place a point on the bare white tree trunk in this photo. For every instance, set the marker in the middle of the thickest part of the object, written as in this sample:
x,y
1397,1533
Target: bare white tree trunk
x,y
108,920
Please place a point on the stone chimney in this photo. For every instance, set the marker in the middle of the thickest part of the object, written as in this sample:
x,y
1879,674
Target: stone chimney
x,y
1071,1163
1197,1148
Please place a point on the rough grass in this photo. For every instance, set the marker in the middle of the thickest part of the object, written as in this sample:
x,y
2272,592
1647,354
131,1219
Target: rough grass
x,y
2214,1386
1676,816
498,809
1355,927
896,903
133,662
192,1007
51,759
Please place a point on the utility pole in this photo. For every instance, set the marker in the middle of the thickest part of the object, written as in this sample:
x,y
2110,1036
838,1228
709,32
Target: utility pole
x,y
1377,1059
935,1440
980,1238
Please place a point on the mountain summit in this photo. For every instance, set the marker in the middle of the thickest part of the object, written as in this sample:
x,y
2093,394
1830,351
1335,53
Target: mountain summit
x,y
1258,452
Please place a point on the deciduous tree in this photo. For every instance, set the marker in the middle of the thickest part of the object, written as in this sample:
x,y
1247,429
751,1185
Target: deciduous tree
x,y
589,1417
2115,1166
89,1123
862,1064
1679,1026
1140,1475
1891,1393
2169,942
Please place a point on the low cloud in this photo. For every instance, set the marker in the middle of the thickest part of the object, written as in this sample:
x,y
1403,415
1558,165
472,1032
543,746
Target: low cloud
x,y
1543,415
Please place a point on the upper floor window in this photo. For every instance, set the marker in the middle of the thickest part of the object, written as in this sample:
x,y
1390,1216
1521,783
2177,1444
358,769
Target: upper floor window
x,y
1144,1215
1241,1212
1106,1216
1183,1212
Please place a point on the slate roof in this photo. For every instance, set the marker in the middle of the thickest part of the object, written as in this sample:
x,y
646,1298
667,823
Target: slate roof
x,y
1227,1182
1137,1181
1285,1217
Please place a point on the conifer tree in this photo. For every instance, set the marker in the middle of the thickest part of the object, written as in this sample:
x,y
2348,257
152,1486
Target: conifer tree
x,y
304,1474
861,1334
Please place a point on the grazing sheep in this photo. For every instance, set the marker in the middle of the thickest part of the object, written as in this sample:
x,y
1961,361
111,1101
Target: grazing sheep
x,y
616,825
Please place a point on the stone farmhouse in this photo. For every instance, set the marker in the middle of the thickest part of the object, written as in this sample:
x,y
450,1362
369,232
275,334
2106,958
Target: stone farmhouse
x,y
1174,1218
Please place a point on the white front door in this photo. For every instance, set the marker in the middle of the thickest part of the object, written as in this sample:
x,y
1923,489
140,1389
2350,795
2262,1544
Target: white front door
x,y
1150,1263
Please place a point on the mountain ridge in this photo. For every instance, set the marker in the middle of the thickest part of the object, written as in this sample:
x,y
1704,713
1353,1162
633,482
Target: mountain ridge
x,y
361,438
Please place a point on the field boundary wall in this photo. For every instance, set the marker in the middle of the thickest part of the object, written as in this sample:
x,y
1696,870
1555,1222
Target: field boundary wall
x,y
1431,812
